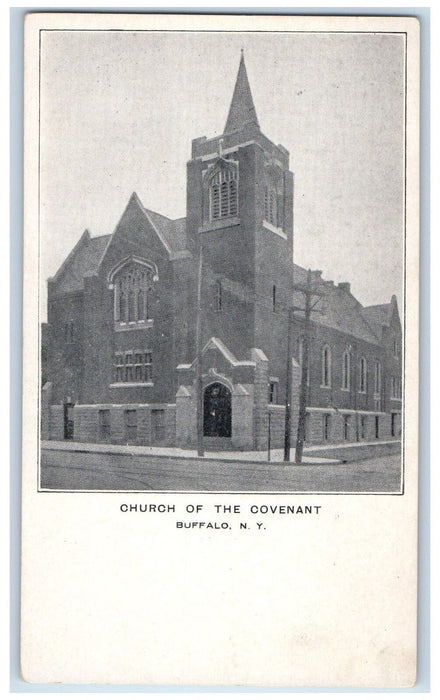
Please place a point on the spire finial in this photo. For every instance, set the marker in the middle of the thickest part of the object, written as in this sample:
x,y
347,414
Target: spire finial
x,y
242,111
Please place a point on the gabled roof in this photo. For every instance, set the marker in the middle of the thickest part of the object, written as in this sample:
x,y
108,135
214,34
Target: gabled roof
x,y
379,314
242,111
339,308
173,230
86,256
83,260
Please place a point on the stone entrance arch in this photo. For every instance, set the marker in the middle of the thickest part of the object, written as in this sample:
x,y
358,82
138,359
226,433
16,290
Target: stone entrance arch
x,y
217,411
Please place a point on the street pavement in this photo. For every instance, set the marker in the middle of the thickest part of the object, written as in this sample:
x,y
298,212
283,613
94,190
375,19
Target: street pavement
x,y
69,470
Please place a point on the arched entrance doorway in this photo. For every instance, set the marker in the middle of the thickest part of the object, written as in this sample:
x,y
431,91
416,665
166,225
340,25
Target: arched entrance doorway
x,y
217,411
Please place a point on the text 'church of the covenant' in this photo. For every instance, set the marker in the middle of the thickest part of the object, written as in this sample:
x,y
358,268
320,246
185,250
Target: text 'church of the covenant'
x,y
119,355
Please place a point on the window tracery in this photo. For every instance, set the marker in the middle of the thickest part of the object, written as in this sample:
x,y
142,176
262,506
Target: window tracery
x,y
132,283
222,190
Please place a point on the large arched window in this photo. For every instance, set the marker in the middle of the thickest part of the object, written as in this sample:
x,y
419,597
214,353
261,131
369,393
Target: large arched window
x,y
222,185
346,370
326,366
132,282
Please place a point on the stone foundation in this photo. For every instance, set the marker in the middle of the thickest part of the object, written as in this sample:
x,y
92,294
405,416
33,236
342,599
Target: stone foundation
x,y
137,424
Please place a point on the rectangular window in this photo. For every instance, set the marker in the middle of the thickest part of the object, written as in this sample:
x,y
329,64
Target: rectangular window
x,y
326,426
130,416
376,426
129,369
148,367
363,427
139,367
273,392
393,425
346,427
68,421
134,367
104,424
158,424
120,371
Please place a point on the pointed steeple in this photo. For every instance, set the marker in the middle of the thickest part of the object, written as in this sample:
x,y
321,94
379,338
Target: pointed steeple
x,y
242,111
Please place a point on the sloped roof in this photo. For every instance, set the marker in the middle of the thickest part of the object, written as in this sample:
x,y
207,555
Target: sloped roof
x,y
379,314
173,230
87,254
339,308
242,110
83,260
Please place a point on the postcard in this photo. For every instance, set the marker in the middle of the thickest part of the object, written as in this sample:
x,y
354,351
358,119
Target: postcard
x,y
220,404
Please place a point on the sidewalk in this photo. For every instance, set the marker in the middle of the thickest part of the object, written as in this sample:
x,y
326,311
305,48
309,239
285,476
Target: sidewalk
x,y
276,455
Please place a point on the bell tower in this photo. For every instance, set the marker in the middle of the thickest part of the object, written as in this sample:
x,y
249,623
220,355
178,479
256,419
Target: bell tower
x,y
240,211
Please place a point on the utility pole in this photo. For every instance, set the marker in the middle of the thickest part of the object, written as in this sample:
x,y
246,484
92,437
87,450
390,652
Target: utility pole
x,y
308,292
199,378
288,397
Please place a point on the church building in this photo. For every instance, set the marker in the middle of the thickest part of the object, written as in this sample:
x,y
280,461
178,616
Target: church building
x,y
125,310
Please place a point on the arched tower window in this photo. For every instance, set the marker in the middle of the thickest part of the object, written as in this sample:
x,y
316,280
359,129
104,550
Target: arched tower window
x,y
326,366
273,195
270,206
222,186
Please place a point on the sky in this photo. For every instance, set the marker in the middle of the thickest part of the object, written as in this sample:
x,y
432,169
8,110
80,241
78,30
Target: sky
x,y
119,111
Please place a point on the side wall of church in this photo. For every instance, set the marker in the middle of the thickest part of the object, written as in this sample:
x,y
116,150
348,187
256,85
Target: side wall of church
x,y
65,350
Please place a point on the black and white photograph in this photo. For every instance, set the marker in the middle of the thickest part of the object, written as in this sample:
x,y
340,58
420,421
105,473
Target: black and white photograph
x,y
222,230
220,376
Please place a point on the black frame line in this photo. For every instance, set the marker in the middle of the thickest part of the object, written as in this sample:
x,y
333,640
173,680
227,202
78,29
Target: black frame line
x,y
232,31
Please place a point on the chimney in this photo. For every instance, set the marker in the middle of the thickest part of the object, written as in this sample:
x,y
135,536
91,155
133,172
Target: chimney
x,y
345,286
